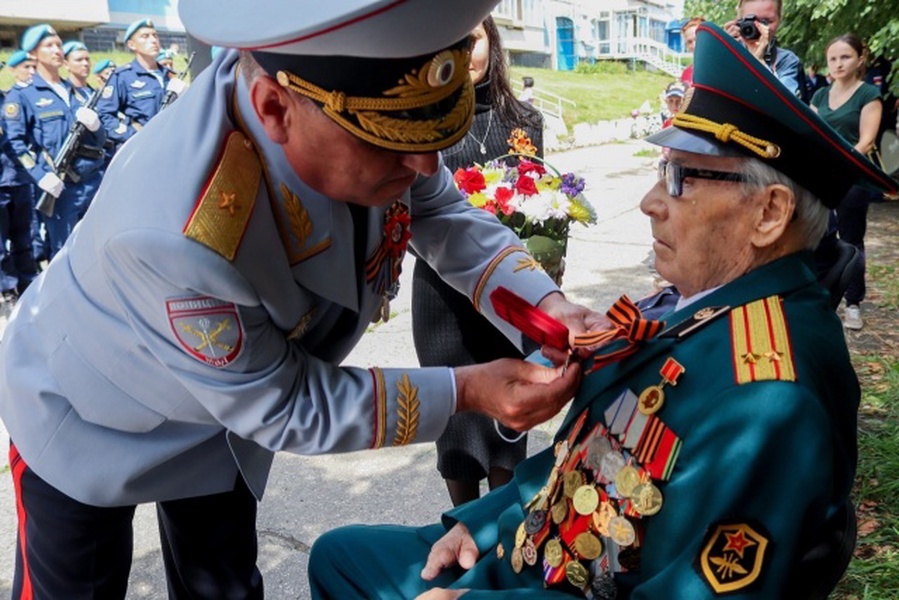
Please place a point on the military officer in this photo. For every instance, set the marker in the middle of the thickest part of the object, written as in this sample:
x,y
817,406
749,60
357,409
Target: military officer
x,y
717,457
22,67
136,90
39,118
194,324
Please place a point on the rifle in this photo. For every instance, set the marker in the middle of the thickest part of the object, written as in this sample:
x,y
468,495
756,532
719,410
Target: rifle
x,y
46,203
170,96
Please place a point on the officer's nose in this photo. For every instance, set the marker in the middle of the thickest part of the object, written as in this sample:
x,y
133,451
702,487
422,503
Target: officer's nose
x,y
423,164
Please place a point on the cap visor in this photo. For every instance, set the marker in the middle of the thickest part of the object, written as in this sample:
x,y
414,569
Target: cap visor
x,y
678,139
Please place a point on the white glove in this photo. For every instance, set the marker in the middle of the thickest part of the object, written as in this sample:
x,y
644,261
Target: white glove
x,y
51,184
88,117
176,86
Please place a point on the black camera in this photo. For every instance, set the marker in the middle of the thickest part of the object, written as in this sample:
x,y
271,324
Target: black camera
x,y
748,28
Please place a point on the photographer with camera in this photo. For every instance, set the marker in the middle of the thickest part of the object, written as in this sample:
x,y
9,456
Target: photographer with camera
x,y
755,27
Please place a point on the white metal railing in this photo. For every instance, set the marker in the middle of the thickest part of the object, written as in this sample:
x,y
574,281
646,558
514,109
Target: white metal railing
x,y
646,49
546,101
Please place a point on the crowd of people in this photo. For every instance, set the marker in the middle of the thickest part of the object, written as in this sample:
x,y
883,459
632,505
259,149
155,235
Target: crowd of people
x,y
60,133
191,327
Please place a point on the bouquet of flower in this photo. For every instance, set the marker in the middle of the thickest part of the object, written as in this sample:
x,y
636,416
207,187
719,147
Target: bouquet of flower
x,y
535,203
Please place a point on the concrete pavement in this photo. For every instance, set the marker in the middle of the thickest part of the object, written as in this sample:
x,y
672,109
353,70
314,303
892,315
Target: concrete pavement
x,y
306,496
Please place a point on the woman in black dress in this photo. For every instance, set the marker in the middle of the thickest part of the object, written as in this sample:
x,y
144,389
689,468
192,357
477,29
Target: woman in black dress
x,y
446,328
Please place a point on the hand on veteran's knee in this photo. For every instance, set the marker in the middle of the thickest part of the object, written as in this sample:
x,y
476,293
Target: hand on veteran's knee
x,y
456,547
516,393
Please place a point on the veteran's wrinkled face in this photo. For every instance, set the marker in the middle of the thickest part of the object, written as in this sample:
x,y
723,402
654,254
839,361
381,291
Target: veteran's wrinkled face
x,y
702,238
329,158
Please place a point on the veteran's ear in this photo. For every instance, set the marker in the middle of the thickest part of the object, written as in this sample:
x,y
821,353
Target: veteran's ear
x,y
775,212
272,104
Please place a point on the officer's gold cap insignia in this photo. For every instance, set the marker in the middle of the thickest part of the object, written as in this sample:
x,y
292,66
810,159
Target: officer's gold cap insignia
x,y
761,342
222,213
733,556
368,117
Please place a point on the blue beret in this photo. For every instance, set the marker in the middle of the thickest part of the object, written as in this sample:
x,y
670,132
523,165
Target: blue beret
x,y
33,36
737,107
71,46
165,55
137,25
103,64
17,58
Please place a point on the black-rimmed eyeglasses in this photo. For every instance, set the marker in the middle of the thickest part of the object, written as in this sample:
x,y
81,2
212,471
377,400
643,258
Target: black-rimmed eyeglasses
x,y
674,175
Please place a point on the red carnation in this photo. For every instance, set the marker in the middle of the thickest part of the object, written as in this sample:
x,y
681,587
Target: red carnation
x,y
526,186
503,195
469,180
527,166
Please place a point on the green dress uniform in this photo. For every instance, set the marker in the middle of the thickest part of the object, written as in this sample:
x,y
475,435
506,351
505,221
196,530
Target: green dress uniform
x,y
748,459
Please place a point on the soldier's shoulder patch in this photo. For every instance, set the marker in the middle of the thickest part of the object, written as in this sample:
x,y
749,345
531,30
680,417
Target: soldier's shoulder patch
x,y
11,110
222,213
107,92
760,340
734,556
209,329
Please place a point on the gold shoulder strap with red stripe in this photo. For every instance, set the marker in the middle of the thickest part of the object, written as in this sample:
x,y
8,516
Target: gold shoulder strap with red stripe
x,y
222,213
761,342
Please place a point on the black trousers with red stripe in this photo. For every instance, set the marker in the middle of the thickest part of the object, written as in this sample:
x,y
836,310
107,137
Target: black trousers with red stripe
x,y
67,549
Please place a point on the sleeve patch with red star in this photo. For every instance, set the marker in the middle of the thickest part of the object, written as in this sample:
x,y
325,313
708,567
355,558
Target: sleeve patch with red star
x,y
734,556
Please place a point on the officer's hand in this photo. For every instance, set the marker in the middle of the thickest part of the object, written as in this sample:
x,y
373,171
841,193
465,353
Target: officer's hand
x,y
51,184
518,394
441,594
579,319
176,86
456,547
88,117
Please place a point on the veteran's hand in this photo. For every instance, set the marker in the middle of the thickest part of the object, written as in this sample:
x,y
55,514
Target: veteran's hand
x,y
516,393
456,547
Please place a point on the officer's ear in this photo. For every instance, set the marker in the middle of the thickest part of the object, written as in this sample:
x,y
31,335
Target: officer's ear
x,y
272,103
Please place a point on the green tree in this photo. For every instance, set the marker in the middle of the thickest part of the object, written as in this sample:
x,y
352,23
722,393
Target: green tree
x,y
809,24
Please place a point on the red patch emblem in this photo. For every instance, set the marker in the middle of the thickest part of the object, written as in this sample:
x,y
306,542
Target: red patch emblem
x,y
209,329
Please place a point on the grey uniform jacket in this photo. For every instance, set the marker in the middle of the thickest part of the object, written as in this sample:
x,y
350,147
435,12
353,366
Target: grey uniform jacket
x,y
195,320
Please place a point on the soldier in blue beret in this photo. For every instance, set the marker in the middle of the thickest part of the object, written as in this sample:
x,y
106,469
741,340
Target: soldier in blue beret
x,y
39,118
78,64
238,248
103,69
136,90
715,459
22,66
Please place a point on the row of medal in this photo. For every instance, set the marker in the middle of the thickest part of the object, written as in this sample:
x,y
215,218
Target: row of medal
x,y
586,520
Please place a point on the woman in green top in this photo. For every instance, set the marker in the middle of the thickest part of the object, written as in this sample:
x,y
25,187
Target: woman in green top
x,y
853,108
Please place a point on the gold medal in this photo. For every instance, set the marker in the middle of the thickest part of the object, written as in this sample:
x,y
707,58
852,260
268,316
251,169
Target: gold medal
x,y
559,511
517,560
529,553
520,535
552,553
585,499
577,574
647,499
500,551
651,400
588,546
626,480
622,532
571,482
602,517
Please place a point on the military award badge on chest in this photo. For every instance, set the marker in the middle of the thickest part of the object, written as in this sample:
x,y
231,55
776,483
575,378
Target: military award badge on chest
x,y
383,267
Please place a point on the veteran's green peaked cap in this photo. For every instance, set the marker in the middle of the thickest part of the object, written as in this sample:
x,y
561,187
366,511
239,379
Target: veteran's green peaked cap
x,y
737,107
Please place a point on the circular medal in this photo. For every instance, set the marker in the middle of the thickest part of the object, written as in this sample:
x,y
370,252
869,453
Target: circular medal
x,y
588,545
621,531
647,499
602,516
651,400
500,551
520,535
552,553
559,511
571,482
626,480
529,553
534,521
577,574
585,499
517,560
611,464
599,447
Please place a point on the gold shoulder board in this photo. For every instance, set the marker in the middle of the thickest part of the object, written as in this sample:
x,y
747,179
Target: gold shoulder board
x,y
223,211
761,342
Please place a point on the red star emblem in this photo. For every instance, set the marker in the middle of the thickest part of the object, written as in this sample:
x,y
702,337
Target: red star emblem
x,y
737,542
229,202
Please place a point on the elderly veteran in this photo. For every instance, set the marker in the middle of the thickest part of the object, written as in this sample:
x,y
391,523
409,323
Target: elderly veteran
x,y
194,324
717,458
